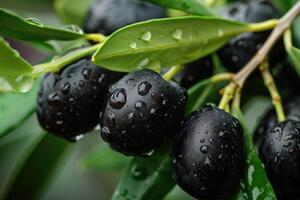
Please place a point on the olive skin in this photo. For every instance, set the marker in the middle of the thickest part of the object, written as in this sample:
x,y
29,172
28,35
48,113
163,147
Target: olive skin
x,y
280,153
242,48
142,111
107,16
196,71
69,102
292,111
209,155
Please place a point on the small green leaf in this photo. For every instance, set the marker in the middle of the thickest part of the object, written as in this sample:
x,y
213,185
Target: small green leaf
x,y
31,29
294,55
104,158
165,42
16,108
38,168
196,7
72,11
14,70
256,185
146,178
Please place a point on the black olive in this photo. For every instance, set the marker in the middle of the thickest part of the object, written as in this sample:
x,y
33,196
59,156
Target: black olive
x,y
209,155
142,111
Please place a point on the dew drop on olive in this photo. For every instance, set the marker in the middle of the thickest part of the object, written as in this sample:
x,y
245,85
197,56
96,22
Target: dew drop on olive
x,y
280,153
150,114
69,101
208,155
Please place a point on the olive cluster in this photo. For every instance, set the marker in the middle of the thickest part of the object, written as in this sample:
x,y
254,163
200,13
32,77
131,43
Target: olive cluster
x,y
139,111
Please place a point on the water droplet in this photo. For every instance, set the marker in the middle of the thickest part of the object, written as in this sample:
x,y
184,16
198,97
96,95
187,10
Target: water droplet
x,y
66,88
34,21
204,149
220,32
118,98
76,138
71,99
133,45
81,83
105,131
207,162
73,28
144,87
221,134
139,172
177,34
152,111
59,122
139,105
53,99
146,36
202,140
143,63
86,72
101,78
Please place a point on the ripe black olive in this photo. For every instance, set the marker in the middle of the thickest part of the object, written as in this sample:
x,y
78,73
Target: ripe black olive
x,y
209,155
242,48
142,111
280,153
69,102
292,111
107,16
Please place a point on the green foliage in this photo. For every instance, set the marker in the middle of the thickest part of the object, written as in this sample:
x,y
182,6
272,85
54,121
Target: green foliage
x,y
293,52
255,184
31,29
196,7
72,11
13,70
38,168
146,178
104,158
182,40
15,109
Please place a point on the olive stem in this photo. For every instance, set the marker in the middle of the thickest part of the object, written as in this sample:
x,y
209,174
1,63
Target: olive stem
x,y
228,94
236,102
283,24
56,64
270,84
262,26
96,37
172,72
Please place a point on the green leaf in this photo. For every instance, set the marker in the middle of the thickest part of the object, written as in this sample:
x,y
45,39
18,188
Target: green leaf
x,y
16,108
165,42
146,178
72,11
38,169
30,29
104,158
294,55
14,70
256,185
196,7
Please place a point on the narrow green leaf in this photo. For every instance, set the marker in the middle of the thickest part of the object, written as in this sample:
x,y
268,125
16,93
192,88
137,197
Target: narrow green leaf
x,y
16,27
165,42
72,11
38,169
256,185
104,158
294,55
16,108
196,7
146,178
14,70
